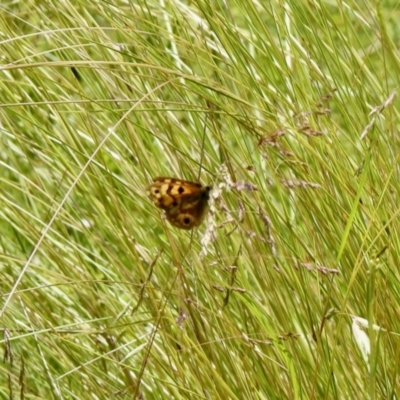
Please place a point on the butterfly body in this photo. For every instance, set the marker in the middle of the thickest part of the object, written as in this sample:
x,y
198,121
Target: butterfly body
x,y
185,203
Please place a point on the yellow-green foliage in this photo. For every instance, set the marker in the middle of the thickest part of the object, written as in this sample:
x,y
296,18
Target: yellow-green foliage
x,y
276,295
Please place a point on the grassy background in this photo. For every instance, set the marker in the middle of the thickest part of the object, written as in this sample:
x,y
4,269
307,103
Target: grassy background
x,y
101,298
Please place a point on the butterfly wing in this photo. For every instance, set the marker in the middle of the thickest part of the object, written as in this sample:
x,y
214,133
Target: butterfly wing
x,y
185,203
165,192
190,210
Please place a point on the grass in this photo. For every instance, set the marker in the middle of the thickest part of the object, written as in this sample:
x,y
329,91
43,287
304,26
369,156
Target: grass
x,y
295,294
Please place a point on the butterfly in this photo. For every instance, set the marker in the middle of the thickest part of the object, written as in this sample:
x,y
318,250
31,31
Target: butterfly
x,y
185,203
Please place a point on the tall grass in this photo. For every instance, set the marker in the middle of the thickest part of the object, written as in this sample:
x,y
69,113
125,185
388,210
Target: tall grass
x,y
296,292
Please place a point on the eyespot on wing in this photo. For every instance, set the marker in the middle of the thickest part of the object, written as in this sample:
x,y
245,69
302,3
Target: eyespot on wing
x,y
185,203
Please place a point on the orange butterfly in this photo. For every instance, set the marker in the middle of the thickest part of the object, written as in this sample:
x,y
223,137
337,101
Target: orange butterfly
x,y
185,203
